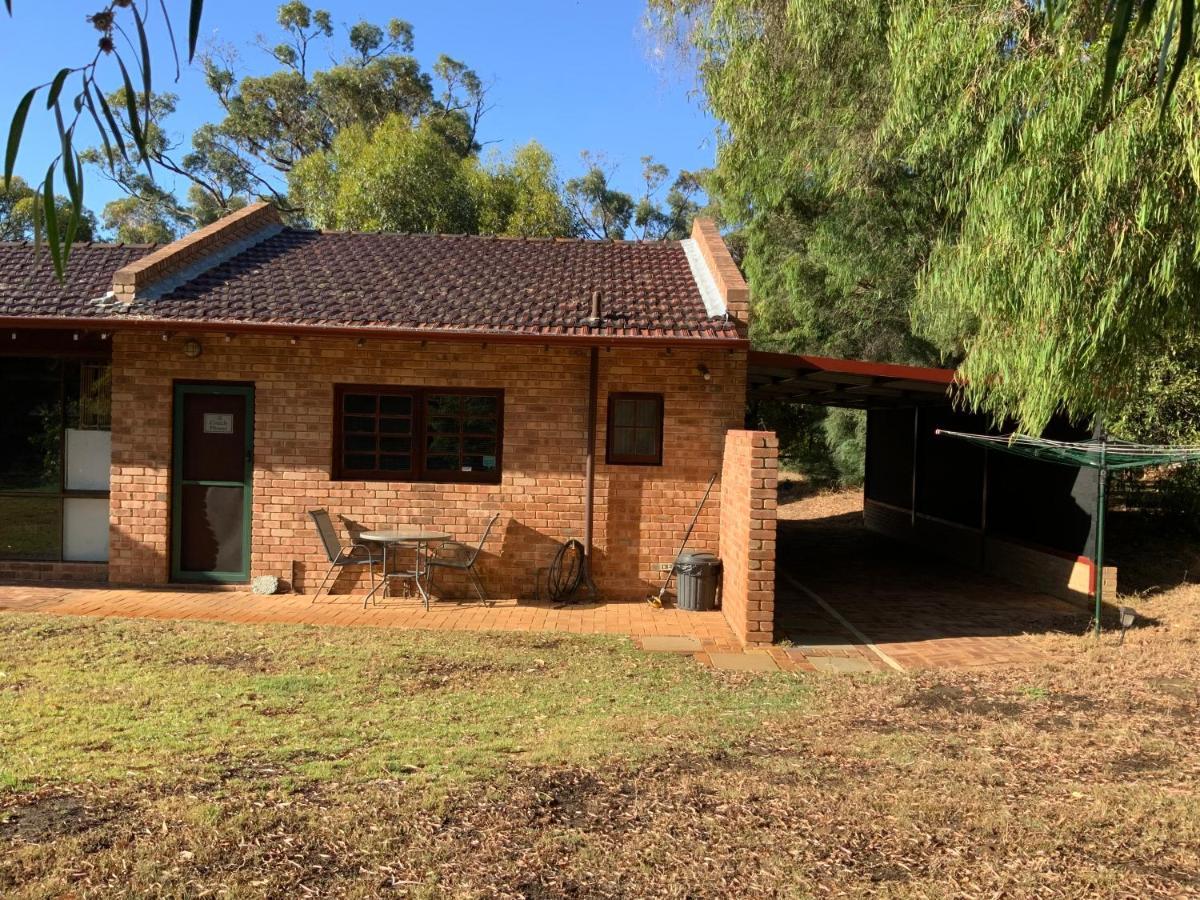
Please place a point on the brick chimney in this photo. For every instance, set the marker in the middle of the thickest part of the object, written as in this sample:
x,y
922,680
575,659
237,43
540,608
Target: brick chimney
x,y
134,279
725,272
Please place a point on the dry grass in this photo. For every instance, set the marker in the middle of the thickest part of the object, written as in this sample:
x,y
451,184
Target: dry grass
x,y
190,760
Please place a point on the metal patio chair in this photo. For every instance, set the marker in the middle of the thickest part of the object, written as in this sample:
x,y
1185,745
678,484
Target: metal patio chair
x,y
460,557
357,554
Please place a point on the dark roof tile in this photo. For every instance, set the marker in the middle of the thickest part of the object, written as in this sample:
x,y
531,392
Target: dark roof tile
x,y
426,282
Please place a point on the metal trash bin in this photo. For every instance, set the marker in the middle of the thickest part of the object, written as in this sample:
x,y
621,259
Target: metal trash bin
x,y
697,576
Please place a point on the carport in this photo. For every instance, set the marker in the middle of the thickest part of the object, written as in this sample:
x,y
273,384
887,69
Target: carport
x,y
955,551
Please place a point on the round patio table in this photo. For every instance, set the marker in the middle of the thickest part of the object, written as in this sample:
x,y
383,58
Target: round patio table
x,y
417,537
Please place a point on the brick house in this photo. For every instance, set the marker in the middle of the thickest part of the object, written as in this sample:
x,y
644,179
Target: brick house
x,y
172,413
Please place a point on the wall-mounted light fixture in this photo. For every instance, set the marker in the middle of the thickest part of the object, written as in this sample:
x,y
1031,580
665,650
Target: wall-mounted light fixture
x,y
704,372
191,349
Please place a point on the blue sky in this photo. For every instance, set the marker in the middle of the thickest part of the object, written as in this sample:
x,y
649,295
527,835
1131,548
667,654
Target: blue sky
x,y
575,74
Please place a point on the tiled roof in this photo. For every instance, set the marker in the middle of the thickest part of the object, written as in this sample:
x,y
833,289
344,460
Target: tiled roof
x,y
418,282
33,290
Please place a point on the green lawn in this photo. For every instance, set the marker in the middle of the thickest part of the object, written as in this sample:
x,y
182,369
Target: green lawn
x,y
85,699
140,758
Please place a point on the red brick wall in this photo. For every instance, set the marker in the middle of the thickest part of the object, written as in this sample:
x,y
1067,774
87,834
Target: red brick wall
x,y
81,572
747,533
641,511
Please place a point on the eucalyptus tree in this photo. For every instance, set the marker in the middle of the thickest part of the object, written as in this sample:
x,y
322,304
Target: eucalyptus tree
x,y
1024,175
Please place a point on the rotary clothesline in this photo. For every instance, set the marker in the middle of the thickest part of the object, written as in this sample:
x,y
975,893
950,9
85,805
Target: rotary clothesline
x,y
1102,453
1107,452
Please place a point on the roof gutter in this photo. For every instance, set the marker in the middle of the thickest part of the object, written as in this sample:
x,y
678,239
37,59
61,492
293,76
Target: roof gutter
x,y
368,331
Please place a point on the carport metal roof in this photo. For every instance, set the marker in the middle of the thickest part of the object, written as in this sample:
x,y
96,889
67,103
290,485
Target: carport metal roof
x,y
852,383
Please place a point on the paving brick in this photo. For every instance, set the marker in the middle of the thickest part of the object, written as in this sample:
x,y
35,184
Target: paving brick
x,y
744,662
838,665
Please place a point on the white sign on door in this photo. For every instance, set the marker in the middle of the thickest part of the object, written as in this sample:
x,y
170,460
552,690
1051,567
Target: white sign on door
x,y
218,423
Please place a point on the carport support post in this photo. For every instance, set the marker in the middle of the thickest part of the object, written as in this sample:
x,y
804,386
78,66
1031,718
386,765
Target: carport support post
x,y
1101,503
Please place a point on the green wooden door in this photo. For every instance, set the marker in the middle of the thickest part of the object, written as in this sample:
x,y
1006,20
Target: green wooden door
x,y
211,471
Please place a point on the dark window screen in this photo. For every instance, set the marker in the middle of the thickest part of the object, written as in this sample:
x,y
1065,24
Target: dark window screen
x,y
418,434
635,424
40,398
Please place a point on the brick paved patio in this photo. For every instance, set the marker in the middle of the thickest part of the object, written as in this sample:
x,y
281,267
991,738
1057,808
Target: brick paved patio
x,y
888,604
633,619
841,587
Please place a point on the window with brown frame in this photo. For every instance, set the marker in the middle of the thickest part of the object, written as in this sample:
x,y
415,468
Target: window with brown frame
x,y
384,433
635,429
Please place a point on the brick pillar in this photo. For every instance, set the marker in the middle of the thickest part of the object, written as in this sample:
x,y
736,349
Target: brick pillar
x,y
749,473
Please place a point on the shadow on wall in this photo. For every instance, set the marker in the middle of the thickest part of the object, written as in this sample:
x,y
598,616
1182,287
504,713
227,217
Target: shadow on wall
x,y
132,561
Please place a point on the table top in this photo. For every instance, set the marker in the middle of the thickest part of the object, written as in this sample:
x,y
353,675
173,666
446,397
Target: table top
x,y
396,535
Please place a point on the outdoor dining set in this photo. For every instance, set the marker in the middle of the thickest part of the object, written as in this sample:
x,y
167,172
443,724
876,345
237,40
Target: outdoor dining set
x,y
429,550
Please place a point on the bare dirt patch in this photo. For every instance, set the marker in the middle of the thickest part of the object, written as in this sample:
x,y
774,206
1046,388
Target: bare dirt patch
x,y
259,662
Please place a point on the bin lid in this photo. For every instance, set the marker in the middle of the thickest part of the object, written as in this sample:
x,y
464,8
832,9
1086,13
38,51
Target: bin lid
x,y
694,559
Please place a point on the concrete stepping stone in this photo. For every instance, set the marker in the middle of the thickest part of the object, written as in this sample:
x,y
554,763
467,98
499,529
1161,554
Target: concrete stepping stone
x,y
670,643
840,665
743,662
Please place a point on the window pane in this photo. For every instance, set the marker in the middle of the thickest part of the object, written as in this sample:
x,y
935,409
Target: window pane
x,y
396,445
85,529
359,462
444,426
442,463
482,406
479,445
624,412
395,463
623,441
30,528
89,459
442,443
647,411
359,403
645,441
360,423
395,405
88,387
360,442
444,404
395,426
31,413
480,426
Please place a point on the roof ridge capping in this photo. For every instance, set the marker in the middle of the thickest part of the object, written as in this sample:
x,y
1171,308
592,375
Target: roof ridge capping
x,y
727,278
134,280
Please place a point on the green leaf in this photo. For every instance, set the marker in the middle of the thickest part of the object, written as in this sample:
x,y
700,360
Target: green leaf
x,y
69,171
113,127
52,240
1187,21
86,93
14,135
194,27
56,87
73,168
145,47
1116,45
135,125
37,228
